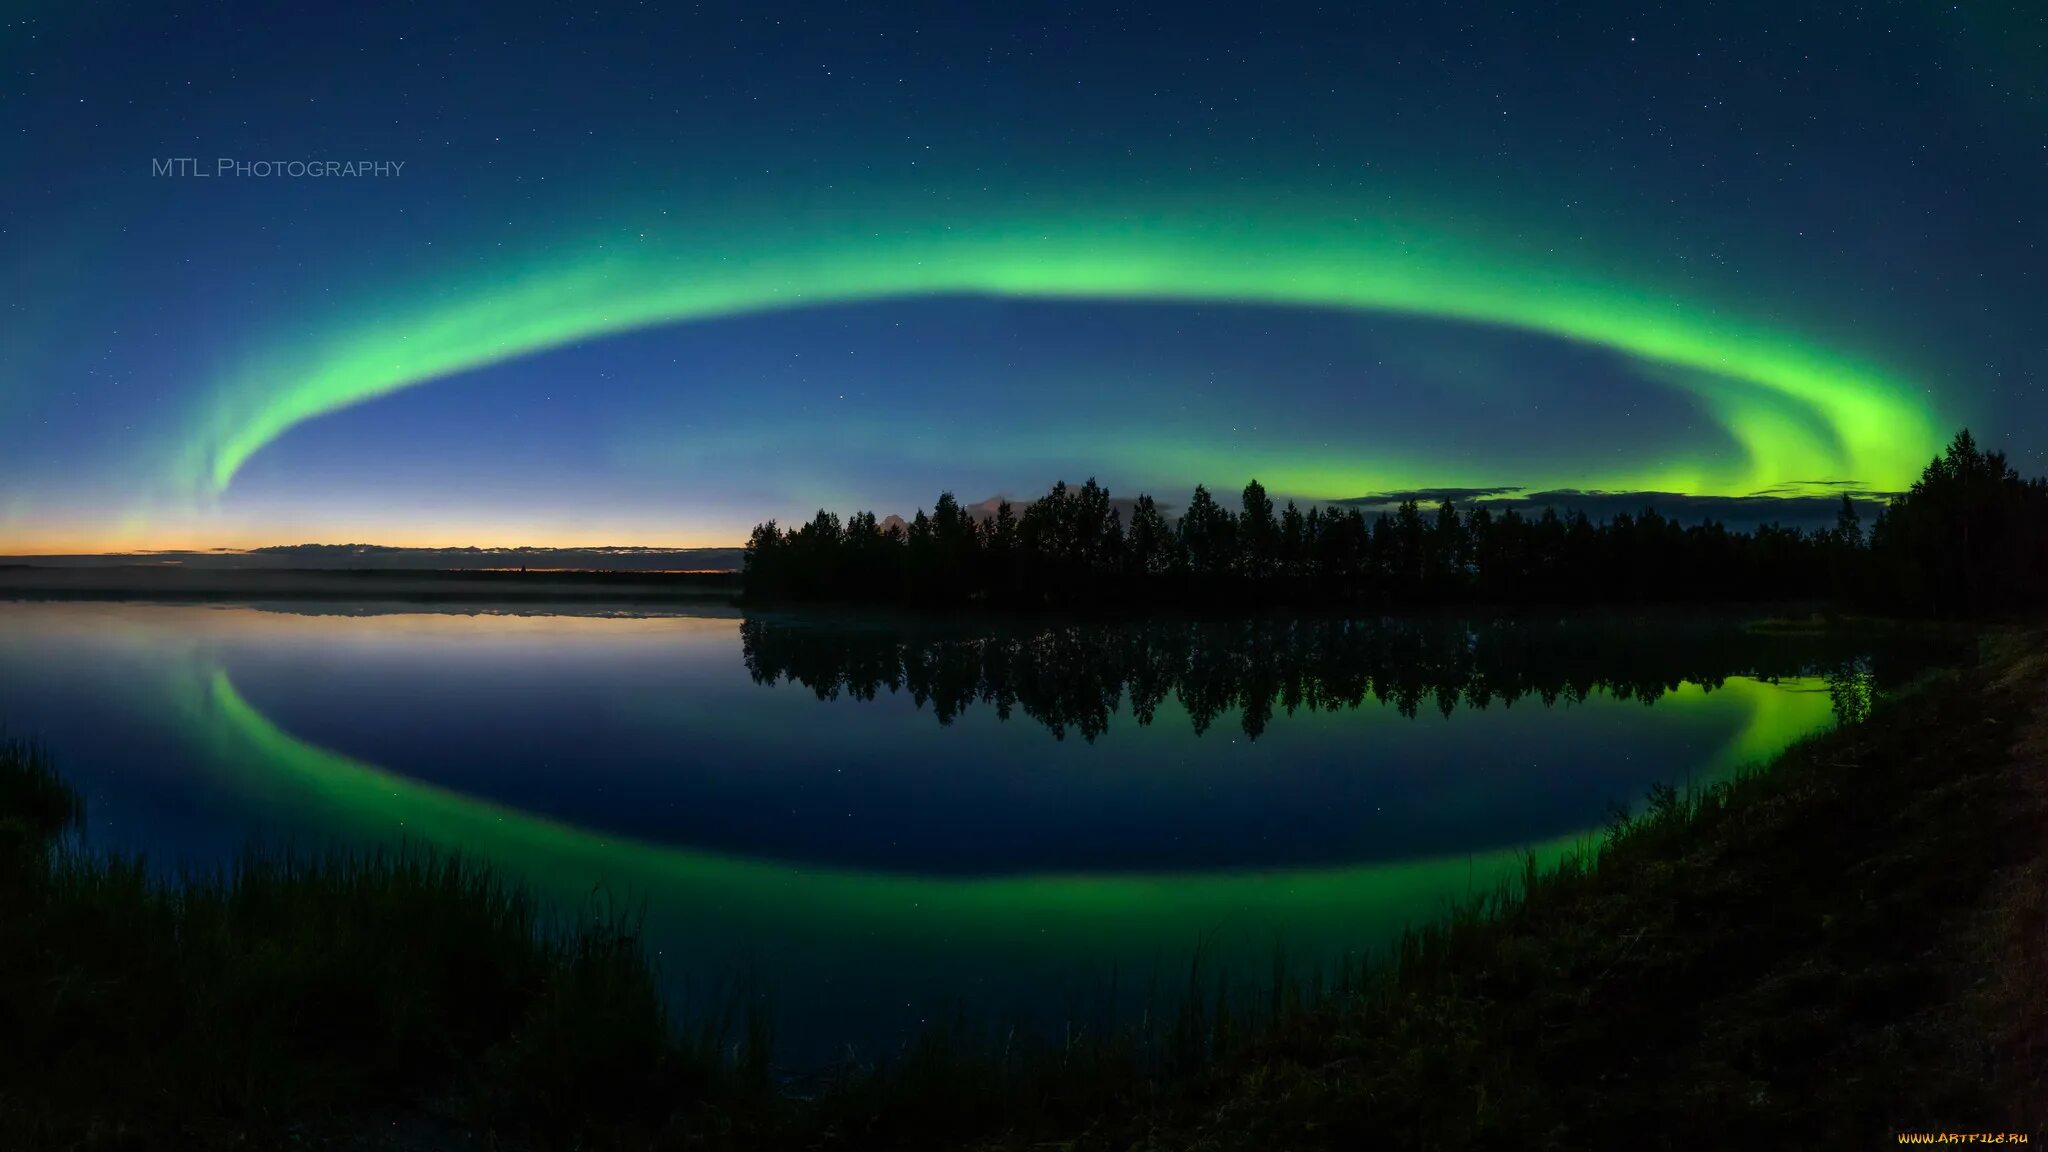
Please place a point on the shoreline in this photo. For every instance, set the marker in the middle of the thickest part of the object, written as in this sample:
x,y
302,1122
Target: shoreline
x,y
1826,950
173,583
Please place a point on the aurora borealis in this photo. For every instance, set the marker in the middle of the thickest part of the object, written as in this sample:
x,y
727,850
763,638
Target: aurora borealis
x,y
647,277
1789,405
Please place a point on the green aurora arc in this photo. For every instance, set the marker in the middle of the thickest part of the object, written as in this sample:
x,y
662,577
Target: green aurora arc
x,y
1797,410
1336,906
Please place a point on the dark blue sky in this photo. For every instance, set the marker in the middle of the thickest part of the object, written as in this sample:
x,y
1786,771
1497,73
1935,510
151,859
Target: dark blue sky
x,y
650,273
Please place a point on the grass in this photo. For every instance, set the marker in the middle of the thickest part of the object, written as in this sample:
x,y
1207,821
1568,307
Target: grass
x,y
300,996
1798,957
1830,949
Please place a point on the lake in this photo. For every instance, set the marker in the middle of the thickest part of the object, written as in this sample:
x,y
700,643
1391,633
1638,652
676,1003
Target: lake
x,y
875,821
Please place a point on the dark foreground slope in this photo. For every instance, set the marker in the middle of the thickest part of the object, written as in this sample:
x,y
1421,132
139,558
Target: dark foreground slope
x,y
1841,948
1823,954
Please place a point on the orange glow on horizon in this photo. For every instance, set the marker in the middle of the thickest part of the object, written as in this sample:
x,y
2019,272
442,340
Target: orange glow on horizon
x,y
99,540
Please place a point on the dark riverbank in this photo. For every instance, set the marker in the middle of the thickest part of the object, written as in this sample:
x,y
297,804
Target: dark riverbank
x,y
1825,953
1843,946
174,582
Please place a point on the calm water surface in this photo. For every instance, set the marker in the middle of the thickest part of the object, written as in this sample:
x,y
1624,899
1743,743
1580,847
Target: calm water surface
x,y
879,821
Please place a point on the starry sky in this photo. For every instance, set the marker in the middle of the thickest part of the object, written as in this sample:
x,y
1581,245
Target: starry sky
x,y
650,273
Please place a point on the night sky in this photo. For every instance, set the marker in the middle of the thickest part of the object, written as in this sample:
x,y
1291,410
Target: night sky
x,y
650,273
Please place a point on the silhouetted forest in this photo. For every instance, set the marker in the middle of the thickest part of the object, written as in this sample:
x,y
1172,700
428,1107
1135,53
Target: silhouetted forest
x,y
1078,676
1970,537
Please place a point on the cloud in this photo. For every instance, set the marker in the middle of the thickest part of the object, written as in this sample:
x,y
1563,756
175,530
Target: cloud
x,y
1831,489
1428,495
1799,503
1804,503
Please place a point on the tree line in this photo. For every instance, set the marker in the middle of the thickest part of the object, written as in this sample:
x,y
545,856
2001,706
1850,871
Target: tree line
x,y
1970,536
1072,677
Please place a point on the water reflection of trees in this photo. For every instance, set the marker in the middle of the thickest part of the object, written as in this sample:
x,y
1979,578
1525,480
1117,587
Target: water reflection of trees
x,y
1078,676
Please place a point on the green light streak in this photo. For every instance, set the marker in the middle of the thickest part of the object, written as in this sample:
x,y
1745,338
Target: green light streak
x,y
1798,411
1344,906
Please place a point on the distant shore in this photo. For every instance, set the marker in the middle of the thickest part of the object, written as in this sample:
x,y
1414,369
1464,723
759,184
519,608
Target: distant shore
x,y
177,582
